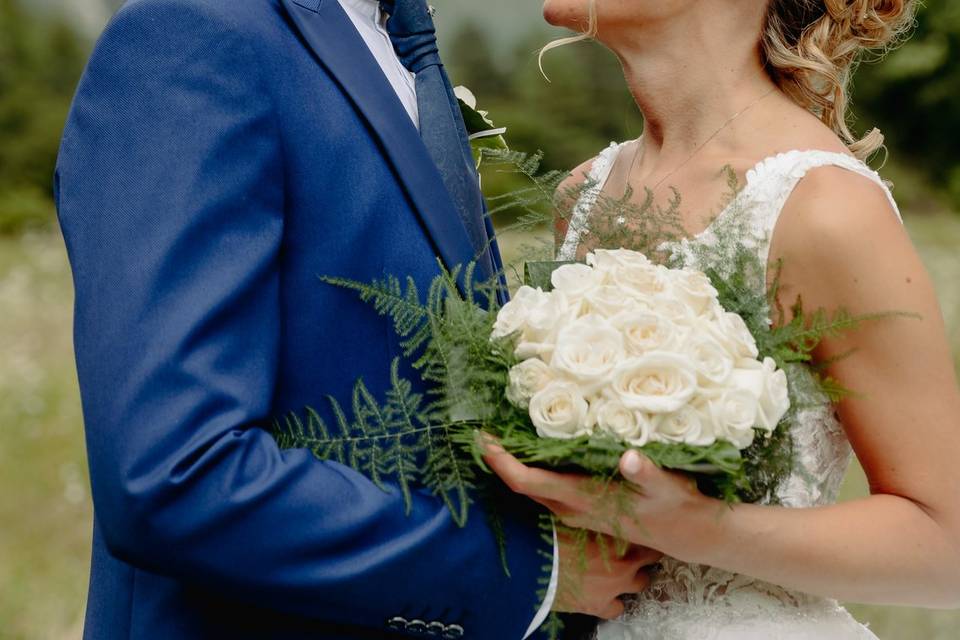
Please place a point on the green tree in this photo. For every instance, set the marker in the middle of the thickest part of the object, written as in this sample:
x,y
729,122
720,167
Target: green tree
x,y
913,96
40,61
472,57
573,113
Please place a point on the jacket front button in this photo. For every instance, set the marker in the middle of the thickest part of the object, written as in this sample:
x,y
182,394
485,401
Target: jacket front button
x,y
417,626
453,632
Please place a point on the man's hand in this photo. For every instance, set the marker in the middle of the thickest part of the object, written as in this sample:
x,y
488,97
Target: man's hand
x,y
593,574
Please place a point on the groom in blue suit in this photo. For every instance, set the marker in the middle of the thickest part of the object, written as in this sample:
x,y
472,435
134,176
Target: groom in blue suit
x,y
219,156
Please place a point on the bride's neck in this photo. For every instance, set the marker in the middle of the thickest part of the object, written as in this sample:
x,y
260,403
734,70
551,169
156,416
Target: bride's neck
x,y
688,87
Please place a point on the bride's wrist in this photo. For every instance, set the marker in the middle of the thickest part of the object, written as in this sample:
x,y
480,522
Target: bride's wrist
x,y
696,529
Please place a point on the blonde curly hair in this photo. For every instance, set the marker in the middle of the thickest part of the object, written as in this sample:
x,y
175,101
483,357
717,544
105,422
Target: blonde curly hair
x,y
811,48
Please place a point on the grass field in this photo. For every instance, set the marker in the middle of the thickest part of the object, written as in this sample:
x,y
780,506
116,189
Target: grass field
x,y
44,496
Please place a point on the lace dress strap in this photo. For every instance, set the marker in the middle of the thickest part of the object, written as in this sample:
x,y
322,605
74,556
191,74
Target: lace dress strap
x,y
596,180
773,180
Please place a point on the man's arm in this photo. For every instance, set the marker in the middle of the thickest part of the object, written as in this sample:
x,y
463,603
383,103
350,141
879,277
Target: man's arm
x,y
170,187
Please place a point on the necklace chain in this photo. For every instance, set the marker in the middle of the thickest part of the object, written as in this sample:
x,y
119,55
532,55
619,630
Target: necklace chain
x,y
700,147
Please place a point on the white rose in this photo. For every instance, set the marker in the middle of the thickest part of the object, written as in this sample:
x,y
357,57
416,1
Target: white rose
x,y
775,403
642,281
575,280
695,289
546,318
646,331
714,365
658,382
607,300
464,94
612,417
767,385
513,316
537,316
587,351
732,333
748,375
674,310
685,425
608,260
527,379
559,411
733,415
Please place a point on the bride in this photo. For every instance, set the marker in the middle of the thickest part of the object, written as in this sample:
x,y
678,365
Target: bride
x,y
762,86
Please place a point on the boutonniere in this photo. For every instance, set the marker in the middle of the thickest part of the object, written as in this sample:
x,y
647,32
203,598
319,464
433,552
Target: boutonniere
x,y
483,134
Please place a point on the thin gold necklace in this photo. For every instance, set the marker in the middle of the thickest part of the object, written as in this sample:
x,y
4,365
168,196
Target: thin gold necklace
x,y
636,155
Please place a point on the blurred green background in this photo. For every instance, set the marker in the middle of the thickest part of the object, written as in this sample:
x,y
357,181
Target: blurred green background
x,y
489,46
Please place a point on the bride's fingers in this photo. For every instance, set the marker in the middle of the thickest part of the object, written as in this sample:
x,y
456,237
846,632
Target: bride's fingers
x,y
644,555
650,481
613,609
558,509
640,582
637,468
530,481
580,520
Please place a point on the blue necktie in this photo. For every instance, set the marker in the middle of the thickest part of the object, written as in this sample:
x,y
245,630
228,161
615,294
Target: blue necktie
x,y
414,38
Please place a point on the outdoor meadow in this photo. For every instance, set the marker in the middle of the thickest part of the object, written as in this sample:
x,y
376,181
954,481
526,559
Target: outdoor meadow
x,y
45,508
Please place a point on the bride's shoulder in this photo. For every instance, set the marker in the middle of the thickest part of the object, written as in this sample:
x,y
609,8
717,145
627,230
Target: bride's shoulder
x,y
580,174
837,199
590,170
836,227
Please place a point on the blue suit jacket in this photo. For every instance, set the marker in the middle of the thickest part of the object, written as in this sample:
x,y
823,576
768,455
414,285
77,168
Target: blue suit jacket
x,y
219,156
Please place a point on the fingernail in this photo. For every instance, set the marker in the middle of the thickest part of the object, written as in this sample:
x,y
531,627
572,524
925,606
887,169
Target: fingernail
x,y
632,463
487,442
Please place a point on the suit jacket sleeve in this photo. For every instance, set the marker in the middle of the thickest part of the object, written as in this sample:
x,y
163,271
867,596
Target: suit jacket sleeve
x,y
170,194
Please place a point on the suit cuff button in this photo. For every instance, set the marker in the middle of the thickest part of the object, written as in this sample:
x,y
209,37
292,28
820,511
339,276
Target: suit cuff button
x,y
417,626
453,632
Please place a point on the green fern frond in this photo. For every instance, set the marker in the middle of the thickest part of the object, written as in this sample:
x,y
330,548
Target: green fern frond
x,y
401,304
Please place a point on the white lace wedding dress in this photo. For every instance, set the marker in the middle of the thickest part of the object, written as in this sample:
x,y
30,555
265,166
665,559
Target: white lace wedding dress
x,y
691,602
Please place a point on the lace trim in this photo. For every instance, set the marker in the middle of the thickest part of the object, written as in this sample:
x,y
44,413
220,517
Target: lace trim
x,y
742,616
789,167
597,179
768,187
773,180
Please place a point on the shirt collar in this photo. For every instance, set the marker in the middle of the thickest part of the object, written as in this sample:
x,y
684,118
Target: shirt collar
x,y
369,8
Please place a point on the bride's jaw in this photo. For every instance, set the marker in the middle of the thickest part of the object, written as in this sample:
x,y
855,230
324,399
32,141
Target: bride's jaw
x,y
686,63
569,14
615,16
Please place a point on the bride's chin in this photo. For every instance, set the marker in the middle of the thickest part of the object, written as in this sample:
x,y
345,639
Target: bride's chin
x,y
571,14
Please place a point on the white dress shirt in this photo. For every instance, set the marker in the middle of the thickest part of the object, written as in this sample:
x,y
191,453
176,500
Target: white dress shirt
x,y
371,24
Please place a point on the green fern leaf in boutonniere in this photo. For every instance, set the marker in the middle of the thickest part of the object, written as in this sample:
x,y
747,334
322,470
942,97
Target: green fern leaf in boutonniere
x,y
482,132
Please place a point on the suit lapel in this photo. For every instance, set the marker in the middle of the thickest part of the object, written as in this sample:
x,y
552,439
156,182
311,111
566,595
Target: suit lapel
x,y
327,29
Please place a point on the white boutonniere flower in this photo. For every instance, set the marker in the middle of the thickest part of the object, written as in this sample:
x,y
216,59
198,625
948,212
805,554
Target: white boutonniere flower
x,y
481,131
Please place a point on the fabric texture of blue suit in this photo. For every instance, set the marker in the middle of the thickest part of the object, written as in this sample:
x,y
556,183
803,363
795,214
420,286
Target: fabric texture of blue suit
x,y
220,156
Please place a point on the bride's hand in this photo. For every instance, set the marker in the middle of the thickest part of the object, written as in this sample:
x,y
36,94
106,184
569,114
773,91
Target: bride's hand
x,y
658,509
594,573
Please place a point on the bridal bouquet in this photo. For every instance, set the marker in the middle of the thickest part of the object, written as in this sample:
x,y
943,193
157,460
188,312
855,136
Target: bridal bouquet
x,y
672,353
633,349
625,349
614,354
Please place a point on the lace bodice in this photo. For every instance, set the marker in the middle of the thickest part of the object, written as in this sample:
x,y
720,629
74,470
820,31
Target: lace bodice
x,y
692,601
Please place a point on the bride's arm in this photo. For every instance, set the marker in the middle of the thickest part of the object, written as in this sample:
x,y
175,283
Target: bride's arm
x,y
842,246
565,199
